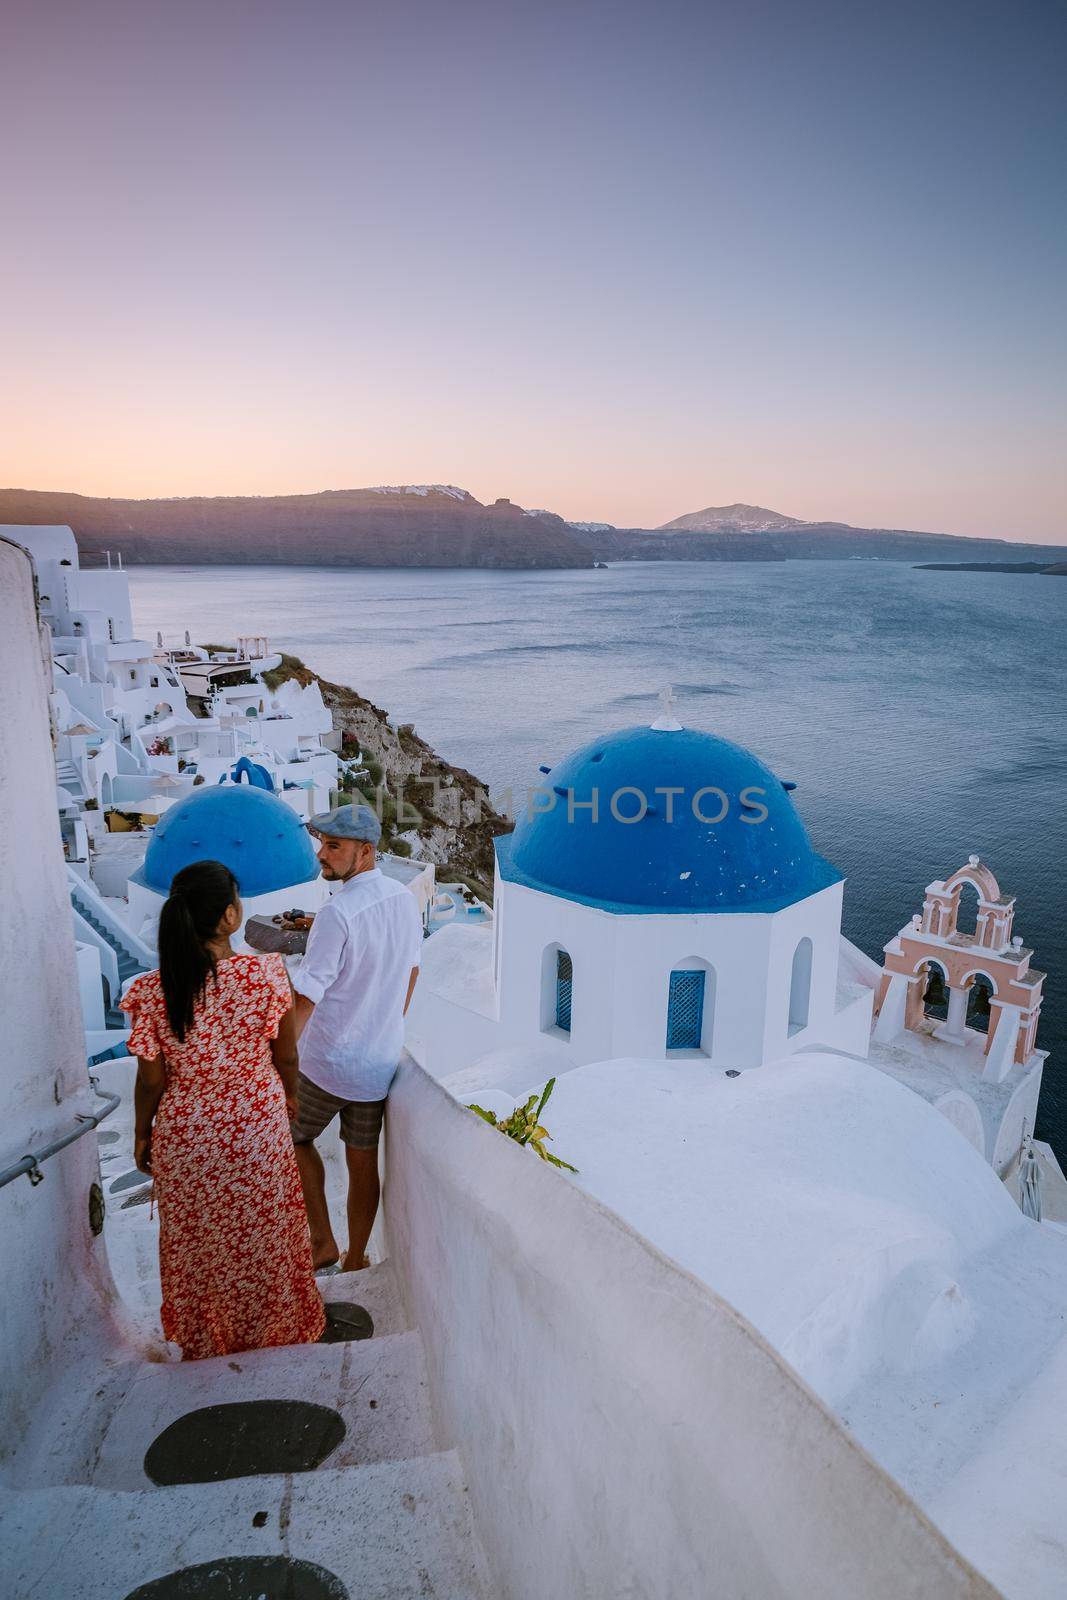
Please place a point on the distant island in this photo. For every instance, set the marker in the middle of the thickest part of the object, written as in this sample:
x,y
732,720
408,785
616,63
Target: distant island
x,y
441,525
1055,569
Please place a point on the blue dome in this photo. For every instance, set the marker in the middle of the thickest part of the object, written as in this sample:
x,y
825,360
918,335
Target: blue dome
x,y
256,835
746,850
245,771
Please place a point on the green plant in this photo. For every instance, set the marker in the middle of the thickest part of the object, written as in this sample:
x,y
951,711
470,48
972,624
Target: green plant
x,y
524,1125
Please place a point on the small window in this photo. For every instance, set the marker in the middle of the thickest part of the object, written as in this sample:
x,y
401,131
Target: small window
x,y
685,1010
564,986
800,987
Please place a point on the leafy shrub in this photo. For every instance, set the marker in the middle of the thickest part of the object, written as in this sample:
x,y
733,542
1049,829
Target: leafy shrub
x,y
524,1125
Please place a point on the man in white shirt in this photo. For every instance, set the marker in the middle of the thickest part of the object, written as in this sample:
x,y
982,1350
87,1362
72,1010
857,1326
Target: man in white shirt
x,y
352,990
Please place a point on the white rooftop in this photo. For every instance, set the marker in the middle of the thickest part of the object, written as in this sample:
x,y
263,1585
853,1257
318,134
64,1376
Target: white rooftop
x,y
878,1252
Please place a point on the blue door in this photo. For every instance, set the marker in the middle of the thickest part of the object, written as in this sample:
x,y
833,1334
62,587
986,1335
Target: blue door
x,y
685,1010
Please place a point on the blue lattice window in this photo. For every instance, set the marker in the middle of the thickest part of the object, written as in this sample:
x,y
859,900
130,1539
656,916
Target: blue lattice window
x,y
564,985
685,1010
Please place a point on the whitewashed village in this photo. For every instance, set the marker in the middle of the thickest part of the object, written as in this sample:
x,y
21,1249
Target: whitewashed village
x,y
795,1325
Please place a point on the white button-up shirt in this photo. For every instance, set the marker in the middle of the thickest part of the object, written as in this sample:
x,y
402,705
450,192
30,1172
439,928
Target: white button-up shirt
x,y
360,952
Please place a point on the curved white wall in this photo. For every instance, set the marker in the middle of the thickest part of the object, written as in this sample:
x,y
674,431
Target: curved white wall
x,y
624,1430
56,1283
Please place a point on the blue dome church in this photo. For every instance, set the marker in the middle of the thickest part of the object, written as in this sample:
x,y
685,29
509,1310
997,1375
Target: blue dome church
x,y
660,898
253,832
665,820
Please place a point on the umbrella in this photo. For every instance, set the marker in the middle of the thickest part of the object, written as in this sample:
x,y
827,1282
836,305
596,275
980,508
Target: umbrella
x,y
1030,1181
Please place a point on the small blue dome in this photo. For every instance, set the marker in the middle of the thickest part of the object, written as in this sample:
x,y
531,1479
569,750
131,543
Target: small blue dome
x,y
728,838
245,771
256,835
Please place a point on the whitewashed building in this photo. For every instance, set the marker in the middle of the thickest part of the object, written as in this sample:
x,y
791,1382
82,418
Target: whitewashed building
x,y
784,1333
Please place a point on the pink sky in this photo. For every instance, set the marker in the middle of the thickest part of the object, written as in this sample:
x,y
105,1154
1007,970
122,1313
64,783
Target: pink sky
x,y
620,262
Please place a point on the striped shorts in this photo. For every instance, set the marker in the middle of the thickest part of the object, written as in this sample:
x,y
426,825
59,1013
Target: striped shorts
x,y
361,1121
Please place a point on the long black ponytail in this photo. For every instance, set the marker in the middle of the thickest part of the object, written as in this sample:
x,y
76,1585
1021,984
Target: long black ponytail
x,y
199,897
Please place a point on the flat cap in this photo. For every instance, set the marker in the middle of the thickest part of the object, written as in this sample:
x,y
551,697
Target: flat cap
x,y
347,822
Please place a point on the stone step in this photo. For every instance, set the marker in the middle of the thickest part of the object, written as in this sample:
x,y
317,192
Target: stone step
x,y
373,1287
398,1530
376,1386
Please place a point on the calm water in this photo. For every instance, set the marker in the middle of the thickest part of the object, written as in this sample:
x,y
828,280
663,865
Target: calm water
x,y
921,713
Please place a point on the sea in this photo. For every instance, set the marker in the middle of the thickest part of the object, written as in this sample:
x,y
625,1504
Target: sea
x,y
921,714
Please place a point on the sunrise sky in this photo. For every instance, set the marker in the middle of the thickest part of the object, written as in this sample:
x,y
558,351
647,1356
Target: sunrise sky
x,y
617,260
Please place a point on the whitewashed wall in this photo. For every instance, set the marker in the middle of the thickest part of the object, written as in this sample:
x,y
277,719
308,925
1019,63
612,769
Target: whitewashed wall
x,y
624,1431
622,966
56,1285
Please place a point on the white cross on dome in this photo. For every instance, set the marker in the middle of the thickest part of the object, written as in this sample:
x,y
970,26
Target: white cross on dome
x,y
666,722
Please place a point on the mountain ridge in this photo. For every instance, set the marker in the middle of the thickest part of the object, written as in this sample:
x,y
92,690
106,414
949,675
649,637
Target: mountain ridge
x,y
443,525
737,518
428,525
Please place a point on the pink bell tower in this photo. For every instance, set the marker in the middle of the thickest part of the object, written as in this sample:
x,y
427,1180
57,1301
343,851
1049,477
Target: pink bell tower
x,y
932,947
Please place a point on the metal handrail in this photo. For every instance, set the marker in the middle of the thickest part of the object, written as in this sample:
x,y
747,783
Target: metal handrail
x,y
30,1165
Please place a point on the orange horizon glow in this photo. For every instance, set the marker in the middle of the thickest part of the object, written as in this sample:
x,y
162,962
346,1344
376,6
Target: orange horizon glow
x,y
566,255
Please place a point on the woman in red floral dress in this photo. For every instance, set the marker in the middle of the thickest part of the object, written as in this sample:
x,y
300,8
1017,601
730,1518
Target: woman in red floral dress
x,y
216,1078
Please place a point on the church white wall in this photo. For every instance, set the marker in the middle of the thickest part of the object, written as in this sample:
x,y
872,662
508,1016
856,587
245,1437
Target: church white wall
x,y
57,1288
819,919
662,1452
622,967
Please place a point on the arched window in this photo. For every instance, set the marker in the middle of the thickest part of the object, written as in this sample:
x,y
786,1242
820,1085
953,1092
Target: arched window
x,y
935,992
691,1006
557,989
967,909
980,990
800,987
564,986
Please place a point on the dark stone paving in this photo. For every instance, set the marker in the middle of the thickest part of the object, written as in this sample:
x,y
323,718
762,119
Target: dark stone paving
x,y
345,1321
246,1578
128,1181
244,1440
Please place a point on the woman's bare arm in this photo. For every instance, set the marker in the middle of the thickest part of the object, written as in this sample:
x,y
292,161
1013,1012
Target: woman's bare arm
x,y
286,1060
147,1093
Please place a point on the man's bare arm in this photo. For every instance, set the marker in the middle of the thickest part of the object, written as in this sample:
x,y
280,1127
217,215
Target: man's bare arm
x,y
412,981
302,1009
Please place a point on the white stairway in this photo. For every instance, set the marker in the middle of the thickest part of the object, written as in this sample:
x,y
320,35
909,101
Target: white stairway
x,y
385,1515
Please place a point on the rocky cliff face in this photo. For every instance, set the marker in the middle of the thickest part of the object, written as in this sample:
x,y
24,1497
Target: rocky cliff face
x,y
442,812
415,525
